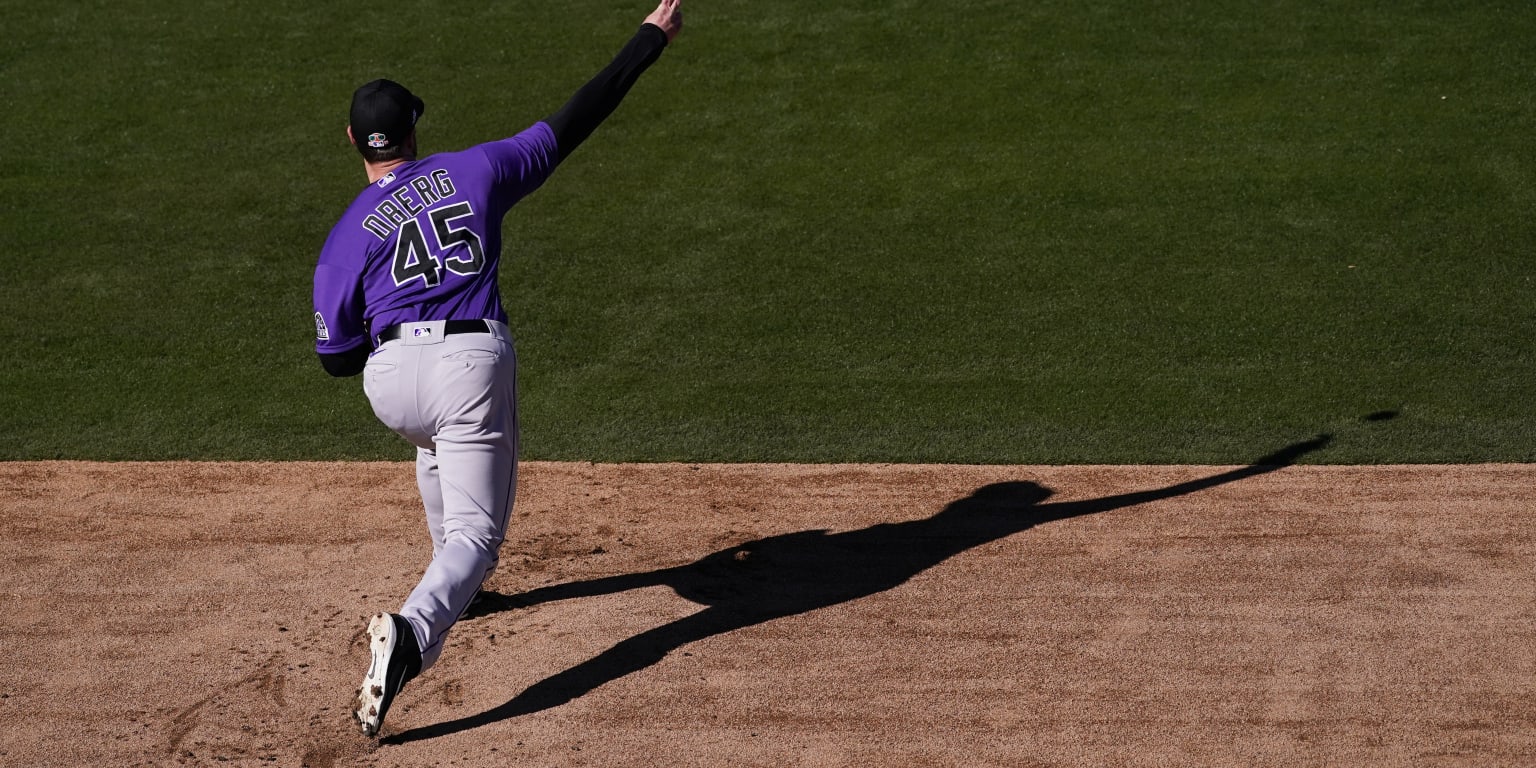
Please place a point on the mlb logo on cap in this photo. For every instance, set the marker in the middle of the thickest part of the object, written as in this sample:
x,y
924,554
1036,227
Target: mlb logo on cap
x,y
385,112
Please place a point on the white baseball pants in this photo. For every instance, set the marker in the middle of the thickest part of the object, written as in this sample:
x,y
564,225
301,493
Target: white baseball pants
x,y
455,399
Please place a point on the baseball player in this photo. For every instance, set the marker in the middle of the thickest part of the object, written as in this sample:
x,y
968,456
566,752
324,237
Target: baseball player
x,y
406,293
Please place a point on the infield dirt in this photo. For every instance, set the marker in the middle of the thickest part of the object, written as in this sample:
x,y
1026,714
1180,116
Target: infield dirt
x,y
782,615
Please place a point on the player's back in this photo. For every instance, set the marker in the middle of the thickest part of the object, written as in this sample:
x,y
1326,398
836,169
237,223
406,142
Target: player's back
x,y
424,241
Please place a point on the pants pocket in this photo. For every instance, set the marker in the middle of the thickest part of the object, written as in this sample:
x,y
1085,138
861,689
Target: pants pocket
x,y
472,355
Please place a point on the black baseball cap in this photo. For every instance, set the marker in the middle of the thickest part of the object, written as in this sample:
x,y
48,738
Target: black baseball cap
x,y
384,113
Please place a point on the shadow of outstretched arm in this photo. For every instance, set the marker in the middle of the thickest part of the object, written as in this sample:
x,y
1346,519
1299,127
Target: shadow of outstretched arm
x,y
1265,464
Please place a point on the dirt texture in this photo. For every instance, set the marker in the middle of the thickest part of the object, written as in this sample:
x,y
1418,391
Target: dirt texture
x,y
782,615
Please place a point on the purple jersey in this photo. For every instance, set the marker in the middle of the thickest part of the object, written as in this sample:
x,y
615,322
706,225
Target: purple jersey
x,y
424,242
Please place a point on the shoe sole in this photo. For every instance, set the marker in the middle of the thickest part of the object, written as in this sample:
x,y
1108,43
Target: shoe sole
x,y
370,697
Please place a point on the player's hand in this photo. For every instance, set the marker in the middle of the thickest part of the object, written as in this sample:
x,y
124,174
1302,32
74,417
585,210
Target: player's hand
x,y
668,16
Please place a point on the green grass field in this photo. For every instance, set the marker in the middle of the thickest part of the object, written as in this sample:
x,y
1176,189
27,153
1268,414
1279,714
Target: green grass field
x,y
980,232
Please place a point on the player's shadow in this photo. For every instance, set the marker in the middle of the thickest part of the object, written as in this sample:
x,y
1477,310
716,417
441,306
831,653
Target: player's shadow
x,y
794,573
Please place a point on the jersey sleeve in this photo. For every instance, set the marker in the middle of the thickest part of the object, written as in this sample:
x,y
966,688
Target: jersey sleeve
x,y
521,163
339,324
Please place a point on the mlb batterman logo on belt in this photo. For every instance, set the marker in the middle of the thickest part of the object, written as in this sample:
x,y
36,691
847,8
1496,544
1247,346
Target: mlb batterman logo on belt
x,y
378,140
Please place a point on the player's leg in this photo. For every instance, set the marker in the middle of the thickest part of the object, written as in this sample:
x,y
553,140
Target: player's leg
x,y
393,646
428,482
475,398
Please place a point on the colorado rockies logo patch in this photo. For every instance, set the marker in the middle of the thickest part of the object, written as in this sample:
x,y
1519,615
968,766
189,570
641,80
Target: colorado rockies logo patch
x,y
321,332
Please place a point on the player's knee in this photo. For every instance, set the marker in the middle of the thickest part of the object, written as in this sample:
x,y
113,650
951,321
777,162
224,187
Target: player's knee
x,y
482,546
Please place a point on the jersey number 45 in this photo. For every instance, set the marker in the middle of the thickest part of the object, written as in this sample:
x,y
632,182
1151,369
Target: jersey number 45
x,y
458,249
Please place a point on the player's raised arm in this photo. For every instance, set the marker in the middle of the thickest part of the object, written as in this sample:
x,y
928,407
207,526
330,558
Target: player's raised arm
x,y
593,102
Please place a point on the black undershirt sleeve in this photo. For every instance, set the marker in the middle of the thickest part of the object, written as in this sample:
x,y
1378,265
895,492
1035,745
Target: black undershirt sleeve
x,y
348,363
601,95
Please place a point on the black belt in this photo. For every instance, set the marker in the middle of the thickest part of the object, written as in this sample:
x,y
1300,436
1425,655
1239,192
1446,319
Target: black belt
x,y
450,327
